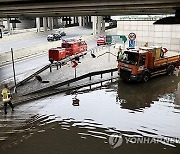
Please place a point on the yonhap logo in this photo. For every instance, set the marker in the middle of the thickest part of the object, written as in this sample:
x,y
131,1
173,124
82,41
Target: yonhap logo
x,y
115,140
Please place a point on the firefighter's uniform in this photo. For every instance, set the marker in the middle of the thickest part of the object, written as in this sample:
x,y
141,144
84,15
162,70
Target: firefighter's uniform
x,y
6,98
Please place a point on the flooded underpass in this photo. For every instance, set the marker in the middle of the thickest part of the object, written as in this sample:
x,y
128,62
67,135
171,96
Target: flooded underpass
x,y
117,118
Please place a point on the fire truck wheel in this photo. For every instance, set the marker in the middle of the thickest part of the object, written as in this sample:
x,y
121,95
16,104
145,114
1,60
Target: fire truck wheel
x,y
145,77
170,70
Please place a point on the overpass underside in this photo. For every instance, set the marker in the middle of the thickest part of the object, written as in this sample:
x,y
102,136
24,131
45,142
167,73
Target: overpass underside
x,y
44,8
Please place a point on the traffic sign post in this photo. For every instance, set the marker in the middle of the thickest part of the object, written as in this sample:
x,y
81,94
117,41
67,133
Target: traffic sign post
x,y
132,37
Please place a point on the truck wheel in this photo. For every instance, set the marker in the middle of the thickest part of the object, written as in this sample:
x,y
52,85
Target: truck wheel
x,y
170,70
146,77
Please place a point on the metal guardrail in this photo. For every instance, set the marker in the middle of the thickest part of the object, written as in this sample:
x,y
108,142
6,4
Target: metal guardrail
x,y
31,76
68,82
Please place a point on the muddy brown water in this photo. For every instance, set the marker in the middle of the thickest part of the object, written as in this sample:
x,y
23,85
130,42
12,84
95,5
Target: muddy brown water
x,y
117,118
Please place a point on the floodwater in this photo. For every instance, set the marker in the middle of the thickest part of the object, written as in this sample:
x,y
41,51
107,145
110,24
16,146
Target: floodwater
x,y
117,118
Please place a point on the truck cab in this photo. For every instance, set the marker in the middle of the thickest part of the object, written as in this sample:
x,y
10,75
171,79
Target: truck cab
x,y
132,63
143,63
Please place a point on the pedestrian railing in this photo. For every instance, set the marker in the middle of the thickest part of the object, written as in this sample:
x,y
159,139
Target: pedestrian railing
x,y
88,75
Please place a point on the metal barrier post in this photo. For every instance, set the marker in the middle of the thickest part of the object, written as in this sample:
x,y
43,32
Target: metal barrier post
x,y
57,66
50,67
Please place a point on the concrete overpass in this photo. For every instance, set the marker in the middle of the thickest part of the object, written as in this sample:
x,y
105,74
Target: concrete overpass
x,y
84,9
51,8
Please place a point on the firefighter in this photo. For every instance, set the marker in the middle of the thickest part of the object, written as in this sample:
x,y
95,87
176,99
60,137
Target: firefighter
x,y
6,97
119,56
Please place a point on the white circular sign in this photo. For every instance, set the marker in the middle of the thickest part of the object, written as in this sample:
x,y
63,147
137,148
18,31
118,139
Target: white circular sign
x,y
132,36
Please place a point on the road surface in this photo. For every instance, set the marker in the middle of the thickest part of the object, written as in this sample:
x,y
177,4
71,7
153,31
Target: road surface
x,y
27,65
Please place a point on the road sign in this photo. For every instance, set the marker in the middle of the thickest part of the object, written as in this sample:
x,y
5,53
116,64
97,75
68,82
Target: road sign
x,y
74,64
131,43
108,39
132,36
115,39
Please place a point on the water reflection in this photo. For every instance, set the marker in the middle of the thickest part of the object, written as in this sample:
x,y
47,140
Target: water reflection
x,y
135,96
75,101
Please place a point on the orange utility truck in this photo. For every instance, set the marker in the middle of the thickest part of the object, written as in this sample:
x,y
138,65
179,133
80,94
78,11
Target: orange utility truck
x,y
146,62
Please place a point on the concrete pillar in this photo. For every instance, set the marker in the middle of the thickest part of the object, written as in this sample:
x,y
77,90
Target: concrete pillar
x,y
83,21
50,23
70,20
9,26
1,27
55,22
80,21
94,19
77,20
74,20
103,26
38,24
99,24
89,18
45,23
61,22
1,22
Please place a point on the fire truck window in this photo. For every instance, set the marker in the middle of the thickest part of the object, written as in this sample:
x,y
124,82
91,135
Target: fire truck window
x,y
69,45
142,60
79,44
63,45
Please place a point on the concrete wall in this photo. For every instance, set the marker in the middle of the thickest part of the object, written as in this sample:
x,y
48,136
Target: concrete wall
x,y
26,24
163,35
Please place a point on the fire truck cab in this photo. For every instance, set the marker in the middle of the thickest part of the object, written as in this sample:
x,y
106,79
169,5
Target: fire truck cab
x,y
74,47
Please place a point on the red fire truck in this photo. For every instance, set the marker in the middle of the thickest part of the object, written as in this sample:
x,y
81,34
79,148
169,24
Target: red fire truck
x,y
74,47
68,48
101,40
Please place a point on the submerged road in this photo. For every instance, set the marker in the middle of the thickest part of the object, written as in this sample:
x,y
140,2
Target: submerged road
x,y
57,124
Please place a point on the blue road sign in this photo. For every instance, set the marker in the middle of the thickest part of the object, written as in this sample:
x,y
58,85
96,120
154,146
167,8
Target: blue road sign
x,y
131,43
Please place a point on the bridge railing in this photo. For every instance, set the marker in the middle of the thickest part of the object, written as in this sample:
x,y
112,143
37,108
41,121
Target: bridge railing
x,y
68,82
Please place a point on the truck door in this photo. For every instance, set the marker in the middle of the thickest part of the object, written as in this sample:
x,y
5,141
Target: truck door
x,y
142,62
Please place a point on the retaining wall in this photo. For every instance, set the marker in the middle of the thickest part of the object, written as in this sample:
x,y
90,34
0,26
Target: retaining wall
x,y
160,35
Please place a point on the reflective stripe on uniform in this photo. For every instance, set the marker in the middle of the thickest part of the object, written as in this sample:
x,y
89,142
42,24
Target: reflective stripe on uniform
x,y
6,95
